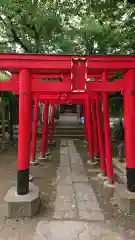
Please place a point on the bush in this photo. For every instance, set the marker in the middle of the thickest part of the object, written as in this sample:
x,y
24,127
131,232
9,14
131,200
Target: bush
x,y
118,134
118,131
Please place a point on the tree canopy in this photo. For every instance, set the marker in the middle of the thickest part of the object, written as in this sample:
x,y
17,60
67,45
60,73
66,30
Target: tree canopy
x,y
67,27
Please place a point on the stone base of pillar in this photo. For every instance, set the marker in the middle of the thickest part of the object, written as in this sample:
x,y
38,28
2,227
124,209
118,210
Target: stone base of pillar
x,y
102,177
22,205
109,184
97,158
124,199
47,153
52,144
92,164
43,159
34,163
30,178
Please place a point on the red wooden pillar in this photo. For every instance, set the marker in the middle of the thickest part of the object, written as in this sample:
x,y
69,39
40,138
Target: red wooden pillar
x,y
44,131
52,123
100,137
129,125
88,118
34,132
85,127
95,131
24,137
107,133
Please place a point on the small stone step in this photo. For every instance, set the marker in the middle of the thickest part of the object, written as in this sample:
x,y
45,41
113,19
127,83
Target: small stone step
x,y
71,129
68,136
67,127
66,130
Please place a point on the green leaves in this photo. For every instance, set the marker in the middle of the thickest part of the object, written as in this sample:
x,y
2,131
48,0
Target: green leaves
x,y
91,27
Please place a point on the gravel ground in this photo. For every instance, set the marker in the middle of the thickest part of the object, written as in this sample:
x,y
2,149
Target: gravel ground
x,y
44,177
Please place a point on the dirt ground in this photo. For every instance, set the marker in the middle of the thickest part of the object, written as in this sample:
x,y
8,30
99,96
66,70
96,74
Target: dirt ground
x,y
44,177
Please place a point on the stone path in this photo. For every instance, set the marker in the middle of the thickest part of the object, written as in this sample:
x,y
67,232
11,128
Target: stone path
x,y
77,214
75,198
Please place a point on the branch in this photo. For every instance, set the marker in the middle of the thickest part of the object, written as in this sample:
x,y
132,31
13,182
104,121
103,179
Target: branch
x,y
2,20
6,42
35,2
18,40
16,37
36,33
33,28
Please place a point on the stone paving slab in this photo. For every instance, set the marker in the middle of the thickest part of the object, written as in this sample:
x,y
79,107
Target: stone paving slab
x,y
88,206
63,142
65,214
70,142
90,216
65,206
84,192
75,198
73,230
65,192
76,159
64,176
63,150
72,152
79,174
64,160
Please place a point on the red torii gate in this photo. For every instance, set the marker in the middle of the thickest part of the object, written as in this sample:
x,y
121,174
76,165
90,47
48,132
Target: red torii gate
x,y
73,72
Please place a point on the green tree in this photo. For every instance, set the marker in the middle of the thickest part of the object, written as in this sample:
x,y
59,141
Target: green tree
x,y
29,26
61,26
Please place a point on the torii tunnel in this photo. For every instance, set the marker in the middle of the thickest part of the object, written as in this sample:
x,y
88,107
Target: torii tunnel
x,y
71,85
